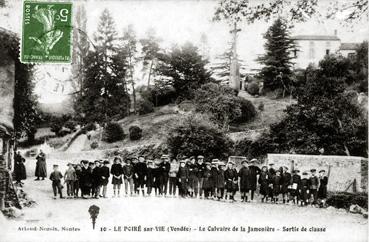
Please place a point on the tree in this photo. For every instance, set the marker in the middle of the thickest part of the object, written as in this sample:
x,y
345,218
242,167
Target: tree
x,y
277,60
324,117
360,67
104,92
26,115
130,48
196,135
184,69
150,50
294,11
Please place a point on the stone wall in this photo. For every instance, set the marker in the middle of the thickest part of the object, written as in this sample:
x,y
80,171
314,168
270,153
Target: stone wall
x,y
344,170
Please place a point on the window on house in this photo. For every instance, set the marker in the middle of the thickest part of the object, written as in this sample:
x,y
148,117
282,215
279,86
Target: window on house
x,y
295,53
327,47
311,50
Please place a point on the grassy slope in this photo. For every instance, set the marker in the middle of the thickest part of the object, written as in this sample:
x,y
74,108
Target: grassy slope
x,y
156,125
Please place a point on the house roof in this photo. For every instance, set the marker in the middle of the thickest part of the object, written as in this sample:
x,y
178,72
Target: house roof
x,y
349,46
316,37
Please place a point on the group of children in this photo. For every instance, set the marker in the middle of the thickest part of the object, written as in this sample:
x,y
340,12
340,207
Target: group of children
x,y
193,178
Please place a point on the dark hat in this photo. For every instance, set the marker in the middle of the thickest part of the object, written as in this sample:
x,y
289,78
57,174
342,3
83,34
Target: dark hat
x,y
313,170
304,173
271,164
97,161
264,167
207,163
321,171
140,156
214,160
55,165
296,171
149,161
69,164
106,162
91,163
200,157
192,157
84,161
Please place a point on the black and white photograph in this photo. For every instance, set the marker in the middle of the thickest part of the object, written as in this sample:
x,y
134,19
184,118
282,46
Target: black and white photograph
x,y
184,120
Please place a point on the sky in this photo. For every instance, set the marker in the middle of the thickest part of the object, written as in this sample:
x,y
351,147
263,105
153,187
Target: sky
x,y
177,22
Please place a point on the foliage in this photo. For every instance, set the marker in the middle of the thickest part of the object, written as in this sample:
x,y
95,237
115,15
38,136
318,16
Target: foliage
x,y
345,200
135,133
129,41
70,124
223,106
197,136
113,132
145,106
294,11
253,88
277,60
150,51
26,115
104,92
183,68
360,67
94,145
248,111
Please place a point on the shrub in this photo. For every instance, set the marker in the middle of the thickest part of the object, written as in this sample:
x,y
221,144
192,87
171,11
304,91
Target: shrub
x,y
163,95
196,135
94,145
145,106
88,127
70,124
253,88
135,133
113,132
345,199
248,110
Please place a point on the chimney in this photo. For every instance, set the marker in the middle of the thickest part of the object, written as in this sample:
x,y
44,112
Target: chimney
x,y
335,32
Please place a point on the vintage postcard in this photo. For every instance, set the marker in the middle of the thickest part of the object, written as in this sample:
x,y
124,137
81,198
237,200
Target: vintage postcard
x,y
183,120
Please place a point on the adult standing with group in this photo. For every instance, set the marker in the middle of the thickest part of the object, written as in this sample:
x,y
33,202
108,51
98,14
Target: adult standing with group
x,y
41,171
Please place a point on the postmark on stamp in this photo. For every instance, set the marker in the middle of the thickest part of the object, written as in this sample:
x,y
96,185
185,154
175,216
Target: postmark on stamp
x,y
46,34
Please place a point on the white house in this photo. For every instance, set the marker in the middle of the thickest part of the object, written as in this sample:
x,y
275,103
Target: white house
x,y
312,48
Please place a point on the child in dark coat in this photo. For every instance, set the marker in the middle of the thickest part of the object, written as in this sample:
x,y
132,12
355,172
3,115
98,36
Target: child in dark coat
x,y
183,175
220,181
276,181
150,180
117,172
244,174
304,189
254,172
96,179
208,180
295,185
285,183
105,174
69,178
264,181
76,185
323,183
231,178
214,178
313,186
56,177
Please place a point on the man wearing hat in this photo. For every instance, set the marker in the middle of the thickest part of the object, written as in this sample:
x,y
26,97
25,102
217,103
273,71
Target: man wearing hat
x,y
220,183
200,169
254,172
244,174
164,168
96,179
208,180
56,177
214,177
313,186
85,179
150,179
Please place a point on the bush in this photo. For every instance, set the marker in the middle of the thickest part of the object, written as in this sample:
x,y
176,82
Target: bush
x,y
253,88
162,95
345,199
248,110
113,132
145,106
197,135
88,127
135,133
70,124
94,145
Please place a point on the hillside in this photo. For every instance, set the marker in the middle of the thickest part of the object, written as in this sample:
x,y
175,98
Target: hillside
x,y
156,125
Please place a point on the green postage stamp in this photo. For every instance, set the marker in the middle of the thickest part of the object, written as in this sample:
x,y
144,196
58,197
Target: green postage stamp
x,y
46,34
